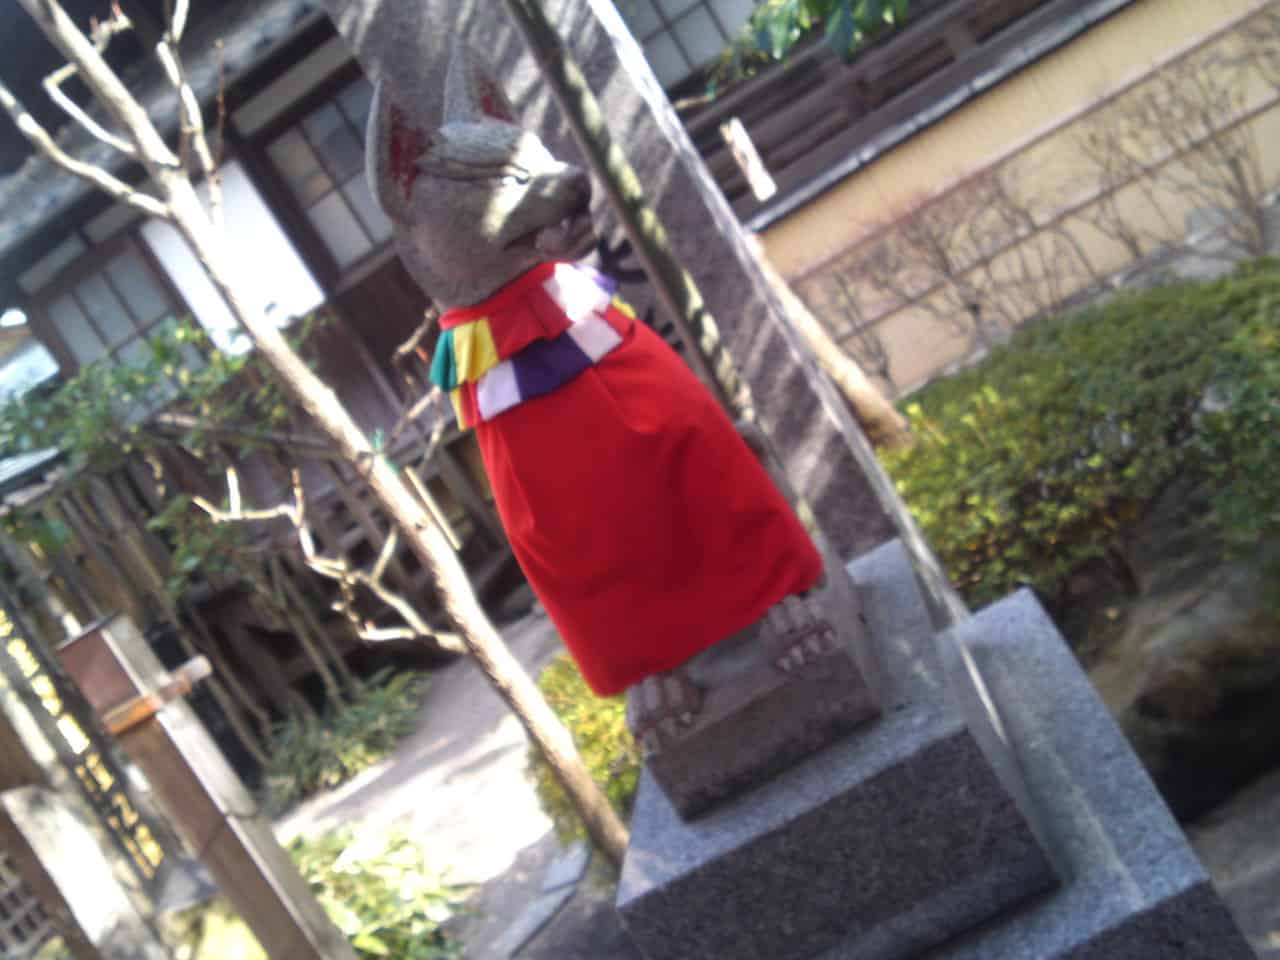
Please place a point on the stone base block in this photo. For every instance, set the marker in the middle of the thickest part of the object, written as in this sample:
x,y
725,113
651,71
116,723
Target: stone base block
x,y
767,720
1135,888
897,837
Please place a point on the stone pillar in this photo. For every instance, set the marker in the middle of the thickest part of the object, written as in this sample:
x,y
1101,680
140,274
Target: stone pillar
x,y
204,798
63,866
51,855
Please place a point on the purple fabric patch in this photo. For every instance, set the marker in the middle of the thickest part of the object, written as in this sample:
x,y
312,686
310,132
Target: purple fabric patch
x,y
605,282
545,364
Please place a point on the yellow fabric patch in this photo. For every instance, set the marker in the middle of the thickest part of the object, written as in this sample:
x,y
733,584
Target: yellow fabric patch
x,y
455,396
474,351
625,307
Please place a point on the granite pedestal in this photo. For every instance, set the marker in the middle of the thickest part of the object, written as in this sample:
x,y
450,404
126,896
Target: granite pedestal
x,y
895,838
862,845
1135,890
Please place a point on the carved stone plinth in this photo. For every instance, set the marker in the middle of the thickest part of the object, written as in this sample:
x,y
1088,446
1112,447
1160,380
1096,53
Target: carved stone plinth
x,y
768,719
750,732
855,854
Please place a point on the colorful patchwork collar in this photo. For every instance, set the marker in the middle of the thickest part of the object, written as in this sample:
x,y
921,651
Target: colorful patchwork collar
x,y
532,336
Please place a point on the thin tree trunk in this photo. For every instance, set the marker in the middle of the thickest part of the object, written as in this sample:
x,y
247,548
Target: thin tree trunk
x,y
884,425
433,551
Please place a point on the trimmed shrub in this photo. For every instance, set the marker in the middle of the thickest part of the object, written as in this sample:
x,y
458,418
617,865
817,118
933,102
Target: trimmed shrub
x,y
1240,434
599,729
1029,465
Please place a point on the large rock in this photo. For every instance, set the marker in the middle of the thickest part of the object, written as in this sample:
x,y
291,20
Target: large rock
x,y
1194,680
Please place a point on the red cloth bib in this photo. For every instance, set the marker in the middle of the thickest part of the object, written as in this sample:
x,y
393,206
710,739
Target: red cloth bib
x,y
645,525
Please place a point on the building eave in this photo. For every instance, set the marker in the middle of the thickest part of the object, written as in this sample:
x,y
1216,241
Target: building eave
x,y
38,193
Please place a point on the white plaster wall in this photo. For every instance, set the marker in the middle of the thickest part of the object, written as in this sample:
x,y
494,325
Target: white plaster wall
x,y
278,282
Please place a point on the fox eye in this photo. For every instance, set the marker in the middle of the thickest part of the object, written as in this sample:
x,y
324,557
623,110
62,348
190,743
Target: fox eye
x,y
514,177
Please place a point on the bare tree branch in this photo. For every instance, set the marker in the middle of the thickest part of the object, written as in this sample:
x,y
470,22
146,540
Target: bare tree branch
x,y
53,87
178,22
95,175
102,32
334,568
103,82
191,123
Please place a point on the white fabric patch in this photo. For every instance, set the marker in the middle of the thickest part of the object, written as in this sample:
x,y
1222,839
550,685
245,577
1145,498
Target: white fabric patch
x,y
497,390
594,337
576,294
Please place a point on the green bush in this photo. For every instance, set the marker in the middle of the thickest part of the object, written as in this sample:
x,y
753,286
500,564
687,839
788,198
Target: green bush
x,y
310,753
1240,435
1030,464
376,891
599,729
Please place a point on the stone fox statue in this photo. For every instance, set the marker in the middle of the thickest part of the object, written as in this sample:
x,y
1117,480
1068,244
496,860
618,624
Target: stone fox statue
x,y
646,526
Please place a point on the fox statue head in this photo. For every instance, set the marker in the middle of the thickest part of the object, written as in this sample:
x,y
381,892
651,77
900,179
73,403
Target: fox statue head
x,y
475,200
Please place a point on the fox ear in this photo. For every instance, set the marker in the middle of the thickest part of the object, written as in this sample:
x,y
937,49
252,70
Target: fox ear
x,y
471,93
394,143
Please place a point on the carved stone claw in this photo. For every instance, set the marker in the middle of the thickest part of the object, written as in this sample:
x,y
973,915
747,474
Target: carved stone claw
x,y
661,707
797,633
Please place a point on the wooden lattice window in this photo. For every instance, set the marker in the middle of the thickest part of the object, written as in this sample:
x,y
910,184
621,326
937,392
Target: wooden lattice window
x,y
681,36
106,307
24,925
321,160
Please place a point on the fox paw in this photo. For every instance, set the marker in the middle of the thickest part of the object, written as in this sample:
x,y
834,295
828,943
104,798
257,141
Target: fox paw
x,y
661,707
797,634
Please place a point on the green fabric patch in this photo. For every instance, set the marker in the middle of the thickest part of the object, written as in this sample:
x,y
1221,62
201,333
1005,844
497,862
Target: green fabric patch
x,y
444,366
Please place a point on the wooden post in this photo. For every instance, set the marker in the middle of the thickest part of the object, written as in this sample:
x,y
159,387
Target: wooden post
x,y
205,798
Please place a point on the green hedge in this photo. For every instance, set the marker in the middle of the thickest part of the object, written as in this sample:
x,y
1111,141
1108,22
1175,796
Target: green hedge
x,y
599,729
1032,463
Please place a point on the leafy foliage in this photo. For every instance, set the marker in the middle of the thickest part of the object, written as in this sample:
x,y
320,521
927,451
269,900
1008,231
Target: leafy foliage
x,y
777,26
1032,463
310,753
377,893
100,418
599,728
1240,434
373,888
